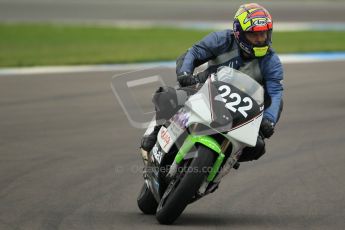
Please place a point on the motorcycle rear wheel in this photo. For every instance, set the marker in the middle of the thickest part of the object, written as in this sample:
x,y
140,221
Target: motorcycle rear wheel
x,y
146,201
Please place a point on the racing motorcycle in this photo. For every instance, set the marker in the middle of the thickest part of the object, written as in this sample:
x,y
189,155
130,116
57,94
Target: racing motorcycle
x,y
201,143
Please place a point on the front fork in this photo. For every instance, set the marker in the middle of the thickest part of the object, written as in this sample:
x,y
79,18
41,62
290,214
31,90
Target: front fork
x,y
209,142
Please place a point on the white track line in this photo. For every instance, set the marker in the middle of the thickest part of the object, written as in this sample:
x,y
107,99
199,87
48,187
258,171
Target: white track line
x,y
286,58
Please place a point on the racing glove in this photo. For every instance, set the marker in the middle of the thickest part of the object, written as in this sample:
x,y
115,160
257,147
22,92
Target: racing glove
x,y
187,79
267,128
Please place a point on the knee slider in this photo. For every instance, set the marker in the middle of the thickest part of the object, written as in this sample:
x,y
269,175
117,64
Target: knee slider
x,y
253,153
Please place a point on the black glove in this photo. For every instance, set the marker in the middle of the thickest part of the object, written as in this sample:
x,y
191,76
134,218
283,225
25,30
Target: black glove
x,y
267,128
187,79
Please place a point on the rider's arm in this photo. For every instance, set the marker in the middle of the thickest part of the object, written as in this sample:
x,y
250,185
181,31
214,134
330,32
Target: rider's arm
x,y
206,49
272,71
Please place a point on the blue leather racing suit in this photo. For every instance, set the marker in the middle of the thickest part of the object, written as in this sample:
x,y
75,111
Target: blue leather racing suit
x,y
221,49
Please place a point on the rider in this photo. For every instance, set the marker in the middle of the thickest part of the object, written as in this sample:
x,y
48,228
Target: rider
x,y
246,48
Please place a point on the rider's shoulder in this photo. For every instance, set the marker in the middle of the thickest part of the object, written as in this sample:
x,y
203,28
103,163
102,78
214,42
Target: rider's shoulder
x,y
218,40
222,34
222,37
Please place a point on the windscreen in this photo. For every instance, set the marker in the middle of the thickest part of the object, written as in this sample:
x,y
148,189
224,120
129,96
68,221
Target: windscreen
x,y
228,99
241,81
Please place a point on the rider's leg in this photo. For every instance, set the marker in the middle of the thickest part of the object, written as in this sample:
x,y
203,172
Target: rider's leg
x,y
254,153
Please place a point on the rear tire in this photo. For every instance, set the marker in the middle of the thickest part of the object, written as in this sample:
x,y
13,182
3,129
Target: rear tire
x,y
184,187
146,201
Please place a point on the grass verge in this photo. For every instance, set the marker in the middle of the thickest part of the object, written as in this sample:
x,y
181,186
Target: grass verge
x,y
43,44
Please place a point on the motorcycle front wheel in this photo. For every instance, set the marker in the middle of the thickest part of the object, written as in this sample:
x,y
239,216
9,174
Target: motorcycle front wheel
x,y
185,185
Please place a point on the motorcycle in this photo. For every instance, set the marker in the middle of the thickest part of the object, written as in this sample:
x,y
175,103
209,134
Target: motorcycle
x,y
201,143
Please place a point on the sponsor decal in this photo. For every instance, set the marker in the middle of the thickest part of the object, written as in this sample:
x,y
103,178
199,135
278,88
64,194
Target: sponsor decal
x,y
260,22
181,119
165,137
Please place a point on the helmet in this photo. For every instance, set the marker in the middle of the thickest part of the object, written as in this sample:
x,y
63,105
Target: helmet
x,y
252,18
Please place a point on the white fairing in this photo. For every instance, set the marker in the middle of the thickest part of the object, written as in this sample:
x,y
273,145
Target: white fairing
x,y
198,110
200,107
247,133
168,136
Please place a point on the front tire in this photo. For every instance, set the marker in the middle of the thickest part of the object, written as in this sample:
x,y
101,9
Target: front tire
x,y
184,187
146,201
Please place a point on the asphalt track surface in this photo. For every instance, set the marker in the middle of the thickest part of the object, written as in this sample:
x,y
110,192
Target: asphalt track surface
x,y
69,159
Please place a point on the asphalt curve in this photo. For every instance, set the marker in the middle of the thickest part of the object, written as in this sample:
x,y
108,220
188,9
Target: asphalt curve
x,y
69,159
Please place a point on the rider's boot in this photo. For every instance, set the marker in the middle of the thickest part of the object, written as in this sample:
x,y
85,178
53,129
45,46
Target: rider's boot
x,y
148,141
